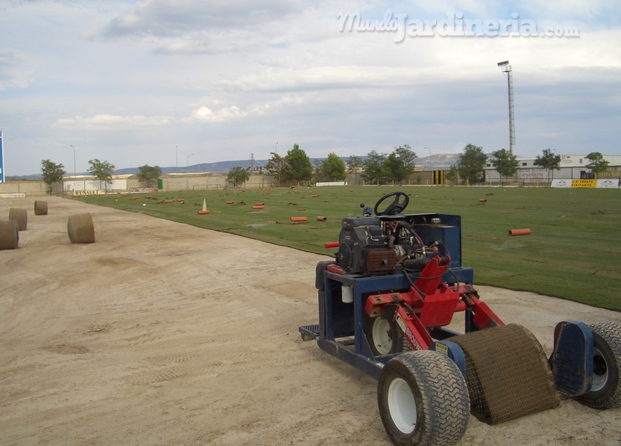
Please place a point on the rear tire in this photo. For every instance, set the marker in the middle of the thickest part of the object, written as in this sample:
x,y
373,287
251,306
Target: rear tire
x,y
423,399
383,335
605,390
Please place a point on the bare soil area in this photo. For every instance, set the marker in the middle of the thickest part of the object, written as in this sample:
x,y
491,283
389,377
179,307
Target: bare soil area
x,y
166,334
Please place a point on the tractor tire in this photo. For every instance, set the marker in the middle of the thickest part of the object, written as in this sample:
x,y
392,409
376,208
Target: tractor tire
x,y
423,399
384,336
605,392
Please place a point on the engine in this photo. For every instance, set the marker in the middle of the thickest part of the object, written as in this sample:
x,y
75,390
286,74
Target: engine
x,y
380,245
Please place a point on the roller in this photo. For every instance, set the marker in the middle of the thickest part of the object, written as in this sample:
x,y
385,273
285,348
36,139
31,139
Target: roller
x,y
507,374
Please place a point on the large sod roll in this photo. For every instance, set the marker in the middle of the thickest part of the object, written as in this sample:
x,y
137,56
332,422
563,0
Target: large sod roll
x,y
80,228
9,234
20,216
40,207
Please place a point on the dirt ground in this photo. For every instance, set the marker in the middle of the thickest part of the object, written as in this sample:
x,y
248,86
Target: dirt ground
x,y
166,334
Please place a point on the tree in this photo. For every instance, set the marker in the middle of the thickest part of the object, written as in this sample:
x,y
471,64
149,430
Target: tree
x,y
148,175
471,165
52,173
598,164
407,158
548,161
276,165
317,163
399,165
102,170
372,167
392,168
333,168
237,176
453,174
354,164
506,163
298,166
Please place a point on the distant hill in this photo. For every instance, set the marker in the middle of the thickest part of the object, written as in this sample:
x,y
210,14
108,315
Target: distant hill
x,y
440,161
220,167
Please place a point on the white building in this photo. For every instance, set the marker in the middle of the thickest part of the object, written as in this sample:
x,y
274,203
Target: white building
x,y
572,167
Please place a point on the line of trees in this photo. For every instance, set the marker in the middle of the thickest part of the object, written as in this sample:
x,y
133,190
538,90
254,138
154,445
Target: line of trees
x,y
296,167
394,167
470,168
398,166
53,173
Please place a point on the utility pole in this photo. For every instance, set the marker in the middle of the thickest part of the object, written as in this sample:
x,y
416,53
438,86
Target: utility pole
x,y
74,170
506,68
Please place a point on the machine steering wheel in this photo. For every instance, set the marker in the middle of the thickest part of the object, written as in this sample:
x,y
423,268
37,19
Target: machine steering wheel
x,y
396,207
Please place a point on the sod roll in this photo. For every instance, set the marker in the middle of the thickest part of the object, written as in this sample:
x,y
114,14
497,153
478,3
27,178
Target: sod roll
x,y
80,228
9,234
20,216
40,207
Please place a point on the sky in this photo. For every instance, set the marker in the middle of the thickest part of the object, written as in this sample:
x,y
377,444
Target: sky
x,y
182,82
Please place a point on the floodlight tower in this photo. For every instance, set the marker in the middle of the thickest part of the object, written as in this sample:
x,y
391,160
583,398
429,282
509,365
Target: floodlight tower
x,y
74,171
506,68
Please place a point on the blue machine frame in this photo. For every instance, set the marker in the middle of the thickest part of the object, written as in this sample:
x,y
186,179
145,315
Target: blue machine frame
x,y
340,331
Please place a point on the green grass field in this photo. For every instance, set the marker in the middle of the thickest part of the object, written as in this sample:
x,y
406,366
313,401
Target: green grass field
x,y
573,251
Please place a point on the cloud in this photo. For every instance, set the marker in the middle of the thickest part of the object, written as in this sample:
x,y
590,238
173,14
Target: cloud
x,y
593,15
222,79
231,113
195,27
164,18
13,70
108,122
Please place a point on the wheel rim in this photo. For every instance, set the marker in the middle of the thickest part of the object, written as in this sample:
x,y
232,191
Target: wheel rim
x,y
381,336
402,406
600,371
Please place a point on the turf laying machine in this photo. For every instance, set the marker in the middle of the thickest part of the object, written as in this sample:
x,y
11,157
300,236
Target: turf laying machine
x,y
385,306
